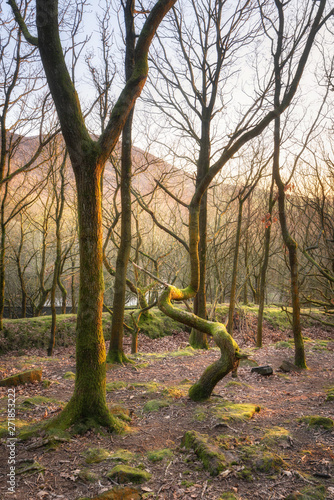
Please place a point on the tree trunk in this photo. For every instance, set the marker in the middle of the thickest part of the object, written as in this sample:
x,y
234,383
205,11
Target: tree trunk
x,y
233,298
264,268
88,403
198,339
116,353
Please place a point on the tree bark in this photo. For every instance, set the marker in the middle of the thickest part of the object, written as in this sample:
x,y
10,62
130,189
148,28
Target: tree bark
x,y
116,353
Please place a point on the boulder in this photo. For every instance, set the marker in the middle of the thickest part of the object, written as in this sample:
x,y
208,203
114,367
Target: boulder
x,y
22,378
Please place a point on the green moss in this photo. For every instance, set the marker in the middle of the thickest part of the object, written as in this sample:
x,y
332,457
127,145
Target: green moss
x,y
200,415
159,455
228,495
275,435
155,405
319,421
96,455
188,351
117,493
116,386
308,493
33,401
120,412
29,467
209,454
187,484
245,474
330,394
122,455
88,475
282,344
69,376
158,325
148,386
46,383
175,392
117,357
127,474
20,425
232,411
269,462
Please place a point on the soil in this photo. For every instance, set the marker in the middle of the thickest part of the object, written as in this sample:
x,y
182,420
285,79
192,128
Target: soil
x,y
284,399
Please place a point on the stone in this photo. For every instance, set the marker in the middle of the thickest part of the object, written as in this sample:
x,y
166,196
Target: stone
x,y
262,370
288,366
22,378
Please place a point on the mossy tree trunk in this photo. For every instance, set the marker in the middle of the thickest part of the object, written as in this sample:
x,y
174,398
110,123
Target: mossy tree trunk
x,y
198,339
59,209
229,349
233,292
264,267
290,243
116,353
88,157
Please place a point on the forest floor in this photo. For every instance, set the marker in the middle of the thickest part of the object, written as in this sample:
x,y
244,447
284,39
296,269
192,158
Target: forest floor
x,y
271,454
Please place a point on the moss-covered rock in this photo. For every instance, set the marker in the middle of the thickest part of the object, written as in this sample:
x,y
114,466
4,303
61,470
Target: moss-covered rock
x,y
26,377
159,455
122,455
127,474
116,385
117,493
69,376
155,405
96,455
33,401
276,435
268,462
209,454
232,411
319,421
330,394
88,476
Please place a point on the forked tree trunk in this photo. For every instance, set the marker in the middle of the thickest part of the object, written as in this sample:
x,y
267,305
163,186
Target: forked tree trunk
x,y
229,358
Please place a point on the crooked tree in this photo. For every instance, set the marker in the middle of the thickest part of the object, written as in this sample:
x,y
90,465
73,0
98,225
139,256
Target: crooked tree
x,y
250,127
88,157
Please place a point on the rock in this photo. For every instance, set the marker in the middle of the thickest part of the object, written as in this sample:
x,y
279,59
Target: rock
x,y
22,378
262,370
288,366
127,474
117,493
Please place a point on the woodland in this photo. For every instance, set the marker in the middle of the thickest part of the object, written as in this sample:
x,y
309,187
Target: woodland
x,y
167,249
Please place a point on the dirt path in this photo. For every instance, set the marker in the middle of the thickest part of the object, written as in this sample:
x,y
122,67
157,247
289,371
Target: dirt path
x,y
259,464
